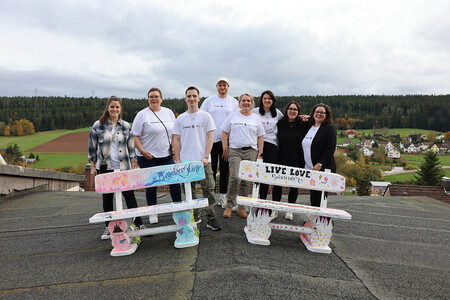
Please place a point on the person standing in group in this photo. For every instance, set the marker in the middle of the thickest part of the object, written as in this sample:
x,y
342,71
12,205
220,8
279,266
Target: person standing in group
x,y
244,132
192,137
318,145
220,106
270,116
152,130
290,134
111,146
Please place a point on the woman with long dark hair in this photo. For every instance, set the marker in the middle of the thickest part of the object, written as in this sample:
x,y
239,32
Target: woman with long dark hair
x,y
111,147
270,116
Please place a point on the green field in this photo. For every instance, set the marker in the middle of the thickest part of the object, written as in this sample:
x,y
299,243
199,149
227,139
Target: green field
x,y
407,176
30,141
50,160
444,159
400,131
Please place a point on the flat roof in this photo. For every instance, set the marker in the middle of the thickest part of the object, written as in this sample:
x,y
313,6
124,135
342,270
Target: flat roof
x,y
394,247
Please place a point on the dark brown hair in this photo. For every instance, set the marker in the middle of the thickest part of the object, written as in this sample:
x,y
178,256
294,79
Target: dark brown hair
x,y
285,117
328,118
105,115
273,108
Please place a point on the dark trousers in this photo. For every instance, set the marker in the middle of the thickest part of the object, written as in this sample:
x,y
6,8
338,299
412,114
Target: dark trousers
x,y
277,190
130,199
270,154
316,197
150,193
216,159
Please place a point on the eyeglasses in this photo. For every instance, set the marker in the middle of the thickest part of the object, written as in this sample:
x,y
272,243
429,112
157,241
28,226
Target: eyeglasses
x,y
293,109
320,112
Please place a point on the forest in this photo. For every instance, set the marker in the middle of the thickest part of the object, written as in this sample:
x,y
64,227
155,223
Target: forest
x,y
354,111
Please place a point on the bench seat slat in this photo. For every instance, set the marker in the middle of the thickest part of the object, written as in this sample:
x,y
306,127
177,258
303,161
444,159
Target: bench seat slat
x,y
149,210
295,208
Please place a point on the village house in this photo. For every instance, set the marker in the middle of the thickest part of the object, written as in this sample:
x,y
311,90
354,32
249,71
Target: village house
x,y
347,142
379,187
388,146
368,151
410,148
393,153
433,147
350,133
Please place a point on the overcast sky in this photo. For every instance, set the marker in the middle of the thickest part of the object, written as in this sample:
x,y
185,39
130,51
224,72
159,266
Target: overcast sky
x,y
123,48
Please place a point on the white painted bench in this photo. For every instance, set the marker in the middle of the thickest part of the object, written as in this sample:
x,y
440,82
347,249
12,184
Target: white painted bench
x,y
316,233
123,235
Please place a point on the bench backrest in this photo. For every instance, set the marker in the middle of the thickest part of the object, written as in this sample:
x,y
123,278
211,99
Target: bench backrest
x,y
119,181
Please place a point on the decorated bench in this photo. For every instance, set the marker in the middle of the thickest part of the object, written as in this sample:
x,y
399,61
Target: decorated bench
x,y
316,232
123,234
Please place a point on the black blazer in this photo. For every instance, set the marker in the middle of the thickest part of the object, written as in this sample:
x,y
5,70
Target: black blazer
x,y
322,147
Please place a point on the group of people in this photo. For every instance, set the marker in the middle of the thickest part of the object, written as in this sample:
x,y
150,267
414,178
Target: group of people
x,y
221,133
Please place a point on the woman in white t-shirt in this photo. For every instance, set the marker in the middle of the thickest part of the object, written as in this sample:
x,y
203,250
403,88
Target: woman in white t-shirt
x,y
270,116
318,145
152,130
242,139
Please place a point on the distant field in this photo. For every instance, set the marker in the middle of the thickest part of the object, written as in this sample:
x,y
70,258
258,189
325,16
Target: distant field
x,y
30,141
444,159
59,160
407,176
400,131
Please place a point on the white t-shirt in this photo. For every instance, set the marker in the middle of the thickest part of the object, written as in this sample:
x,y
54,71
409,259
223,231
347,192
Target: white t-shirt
x,y
306,145
244,130
192,129
115,162
270,125
151,132
219,109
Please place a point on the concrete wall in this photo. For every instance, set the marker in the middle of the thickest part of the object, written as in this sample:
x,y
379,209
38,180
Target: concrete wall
x,y
15,178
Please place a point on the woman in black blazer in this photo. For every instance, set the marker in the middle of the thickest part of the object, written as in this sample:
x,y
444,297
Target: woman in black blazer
x,y
318,145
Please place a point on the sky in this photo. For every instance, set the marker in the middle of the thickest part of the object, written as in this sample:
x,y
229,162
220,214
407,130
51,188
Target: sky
x,y
84,48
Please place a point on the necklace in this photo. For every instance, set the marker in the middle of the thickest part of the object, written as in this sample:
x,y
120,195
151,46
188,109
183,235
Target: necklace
x,y
193,116
291,124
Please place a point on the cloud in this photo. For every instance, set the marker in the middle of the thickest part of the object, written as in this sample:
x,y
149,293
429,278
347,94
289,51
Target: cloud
x,y
294,48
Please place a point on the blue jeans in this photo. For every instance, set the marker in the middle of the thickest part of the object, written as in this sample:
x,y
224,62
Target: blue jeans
x,y
150,193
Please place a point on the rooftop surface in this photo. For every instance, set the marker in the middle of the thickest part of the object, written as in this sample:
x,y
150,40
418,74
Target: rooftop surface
x,y
393,248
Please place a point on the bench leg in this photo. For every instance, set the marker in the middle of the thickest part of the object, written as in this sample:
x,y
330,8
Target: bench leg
x,y
186,235
258,230
123,244
318,240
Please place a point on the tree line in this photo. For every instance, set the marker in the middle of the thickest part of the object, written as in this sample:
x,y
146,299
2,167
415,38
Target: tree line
x,y
353,111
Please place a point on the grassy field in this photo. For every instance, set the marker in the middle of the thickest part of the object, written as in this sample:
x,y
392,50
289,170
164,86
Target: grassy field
x,y
400,131
407,176
30,141
50,160
444,159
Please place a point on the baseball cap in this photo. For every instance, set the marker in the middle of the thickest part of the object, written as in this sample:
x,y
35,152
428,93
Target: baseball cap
x,y
222,79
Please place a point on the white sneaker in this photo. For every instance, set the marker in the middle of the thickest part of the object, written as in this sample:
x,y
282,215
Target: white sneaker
x,y
106,235
153,219
274,214
142,227
289,215
234,208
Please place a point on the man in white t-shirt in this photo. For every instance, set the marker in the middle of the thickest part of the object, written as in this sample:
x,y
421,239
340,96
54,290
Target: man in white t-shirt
x,y
192,140
219,107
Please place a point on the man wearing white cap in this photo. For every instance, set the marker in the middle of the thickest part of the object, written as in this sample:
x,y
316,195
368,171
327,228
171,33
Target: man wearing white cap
x,y
220,106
